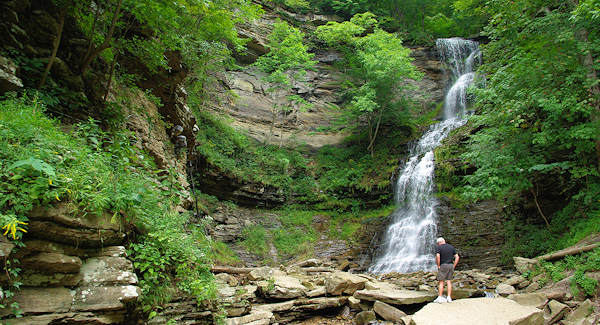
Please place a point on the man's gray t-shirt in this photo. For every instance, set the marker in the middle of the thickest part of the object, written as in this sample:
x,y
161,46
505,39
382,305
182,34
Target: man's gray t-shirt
x,y
446,252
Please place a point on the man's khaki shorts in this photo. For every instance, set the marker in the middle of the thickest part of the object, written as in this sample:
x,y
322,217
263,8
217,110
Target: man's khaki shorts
x,y
445,272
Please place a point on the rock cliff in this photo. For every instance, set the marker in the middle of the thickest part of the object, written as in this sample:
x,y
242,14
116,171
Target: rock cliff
x,y
74,270
74,267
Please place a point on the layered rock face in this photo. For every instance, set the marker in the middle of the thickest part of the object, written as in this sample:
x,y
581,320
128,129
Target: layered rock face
x,y
74,270
250,105
477,231
322,87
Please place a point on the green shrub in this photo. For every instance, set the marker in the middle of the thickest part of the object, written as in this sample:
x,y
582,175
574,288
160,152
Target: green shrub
x,y
578,265
293,241
255,240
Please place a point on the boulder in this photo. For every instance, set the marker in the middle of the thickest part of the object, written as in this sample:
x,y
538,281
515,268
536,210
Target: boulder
x,y
319,303
364,317
560,290
255,317
282,287
515,280
318,291
579,315
529,299
309,263
264,273
247,292
480,311
555,311
396,297
532,319
533,287
378,285
342,282
505,290
227,278
388,312
354,303
524,265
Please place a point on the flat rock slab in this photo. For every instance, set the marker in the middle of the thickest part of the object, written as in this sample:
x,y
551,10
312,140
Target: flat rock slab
x,y
396,297
480,311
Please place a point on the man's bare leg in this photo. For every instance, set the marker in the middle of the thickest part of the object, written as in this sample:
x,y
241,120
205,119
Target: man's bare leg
x,y
449,283
440,288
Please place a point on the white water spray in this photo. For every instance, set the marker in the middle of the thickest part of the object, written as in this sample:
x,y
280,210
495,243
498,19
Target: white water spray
x,y
408,243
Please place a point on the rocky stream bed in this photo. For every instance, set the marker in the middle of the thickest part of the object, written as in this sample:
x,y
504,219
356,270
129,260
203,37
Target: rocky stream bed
x,y
314,292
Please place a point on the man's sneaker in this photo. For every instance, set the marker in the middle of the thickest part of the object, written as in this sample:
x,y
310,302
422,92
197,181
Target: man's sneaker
x,y
448,299
440,300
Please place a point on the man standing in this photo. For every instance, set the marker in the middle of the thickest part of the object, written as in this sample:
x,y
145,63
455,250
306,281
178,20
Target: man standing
x,y
446,259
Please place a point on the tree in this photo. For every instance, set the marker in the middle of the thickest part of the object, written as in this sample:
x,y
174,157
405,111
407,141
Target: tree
x,y
539,110
164,25
379,66
285,64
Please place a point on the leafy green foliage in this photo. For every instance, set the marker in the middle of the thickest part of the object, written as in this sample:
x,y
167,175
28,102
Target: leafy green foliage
x,y
255,240
233,152
377,62
419,20
97,172
285,63
294,241
537,119
174,25
168,255
577,266
334,177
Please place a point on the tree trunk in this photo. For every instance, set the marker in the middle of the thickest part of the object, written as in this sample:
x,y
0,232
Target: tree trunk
x,y
372,143
273,118
110,76
537,204
567,252
59,31
231,269
90,41
94,52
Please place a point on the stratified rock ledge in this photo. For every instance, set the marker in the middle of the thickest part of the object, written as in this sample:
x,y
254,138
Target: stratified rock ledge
x,y
481,311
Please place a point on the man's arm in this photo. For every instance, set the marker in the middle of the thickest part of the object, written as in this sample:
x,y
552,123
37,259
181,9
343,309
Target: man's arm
x,y
437,259
456,258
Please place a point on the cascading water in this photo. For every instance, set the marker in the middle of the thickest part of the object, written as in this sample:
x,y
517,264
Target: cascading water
x,y
408,244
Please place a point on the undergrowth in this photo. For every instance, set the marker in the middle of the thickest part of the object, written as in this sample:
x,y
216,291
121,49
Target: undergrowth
x,y
575,266
95,172
331,179
297,233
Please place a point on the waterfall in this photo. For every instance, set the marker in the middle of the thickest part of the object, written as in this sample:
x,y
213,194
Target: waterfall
x,y
409,241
